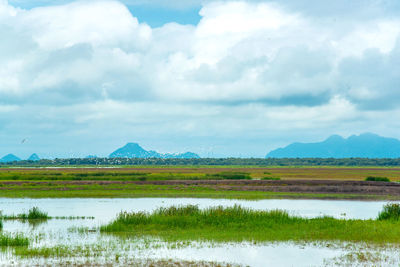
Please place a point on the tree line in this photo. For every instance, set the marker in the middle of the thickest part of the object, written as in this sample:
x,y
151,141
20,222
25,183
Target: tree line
x,y
211,161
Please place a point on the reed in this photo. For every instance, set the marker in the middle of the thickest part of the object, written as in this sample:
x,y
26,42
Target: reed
x,y
7,240
390,211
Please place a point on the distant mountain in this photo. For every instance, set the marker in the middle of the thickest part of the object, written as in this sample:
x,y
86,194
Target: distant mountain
x,y
365,145
134,150
34,157
91,157
9,158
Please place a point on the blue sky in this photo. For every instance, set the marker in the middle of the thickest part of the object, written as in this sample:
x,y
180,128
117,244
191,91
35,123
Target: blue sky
x,y
219,78
154,13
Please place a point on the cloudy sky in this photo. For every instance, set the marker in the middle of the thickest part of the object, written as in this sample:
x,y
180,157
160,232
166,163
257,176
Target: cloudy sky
x,y
229,78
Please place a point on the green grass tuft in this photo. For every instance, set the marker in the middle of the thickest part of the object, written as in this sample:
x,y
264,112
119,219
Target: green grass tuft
x,y
271,178
34,214
229,176
377,179
390,212
7,240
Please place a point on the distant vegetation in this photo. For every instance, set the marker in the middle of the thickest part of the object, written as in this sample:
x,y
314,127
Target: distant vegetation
x,y
271,178
210,162
377,179
229,175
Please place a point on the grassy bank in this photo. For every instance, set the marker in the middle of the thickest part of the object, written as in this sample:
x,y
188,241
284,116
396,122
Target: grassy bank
x,y
130,182
240,224
151,173
50,189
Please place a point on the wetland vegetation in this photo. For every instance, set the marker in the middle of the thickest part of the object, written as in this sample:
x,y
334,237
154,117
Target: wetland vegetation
x,y
239,224
243,182
132,236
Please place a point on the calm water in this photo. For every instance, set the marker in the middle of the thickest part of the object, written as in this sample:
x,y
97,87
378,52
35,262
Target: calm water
x,y
106,209
58,232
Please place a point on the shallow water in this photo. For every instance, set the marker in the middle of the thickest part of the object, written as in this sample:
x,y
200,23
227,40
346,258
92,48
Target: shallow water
x,y
60,232
106,209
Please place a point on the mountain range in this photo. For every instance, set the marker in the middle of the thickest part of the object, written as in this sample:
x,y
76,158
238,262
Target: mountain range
x,y
365,145
12,157
134,150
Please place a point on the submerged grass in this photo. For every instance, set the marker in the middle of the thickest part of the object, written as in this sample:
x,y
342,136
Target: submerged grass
x,y
33,214
7,240
240,224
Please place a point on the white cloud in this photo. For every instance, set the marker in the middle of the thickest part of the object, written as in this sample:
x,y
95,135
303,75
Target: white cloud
x,y
98,23
247,69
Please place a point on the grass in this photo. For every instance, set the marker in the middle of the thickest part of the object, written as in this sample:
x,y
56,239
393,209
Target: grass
x,y
59,182
36,214
240,224
390,212
33,214
137,173
377,179
271,178
54,190
229,176
7,240
61,252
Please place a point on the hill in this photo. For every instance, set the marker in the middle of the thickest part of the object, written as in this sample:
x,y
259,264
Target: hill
x,y
9,158
365,145
134,150
34,157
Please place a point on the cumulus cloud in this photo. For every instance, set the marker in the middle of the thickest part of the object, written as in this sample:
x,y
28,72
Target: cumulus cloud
x,y
249,69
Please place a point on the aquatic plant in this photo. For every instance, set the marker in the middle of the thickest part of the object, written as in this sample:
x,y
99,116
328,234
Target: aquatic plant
x,y
7,240
390,211
34,213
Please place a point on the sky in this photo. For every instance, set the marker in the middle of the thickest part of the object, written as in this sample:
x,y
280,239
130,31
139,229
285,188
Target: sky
x,y
218,78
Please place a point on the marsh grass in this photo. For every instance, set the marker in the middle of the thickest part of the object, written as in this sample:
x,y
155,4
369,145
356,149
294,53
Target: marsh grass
x,y
390,211
7,240
33,214
241,224
36,216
